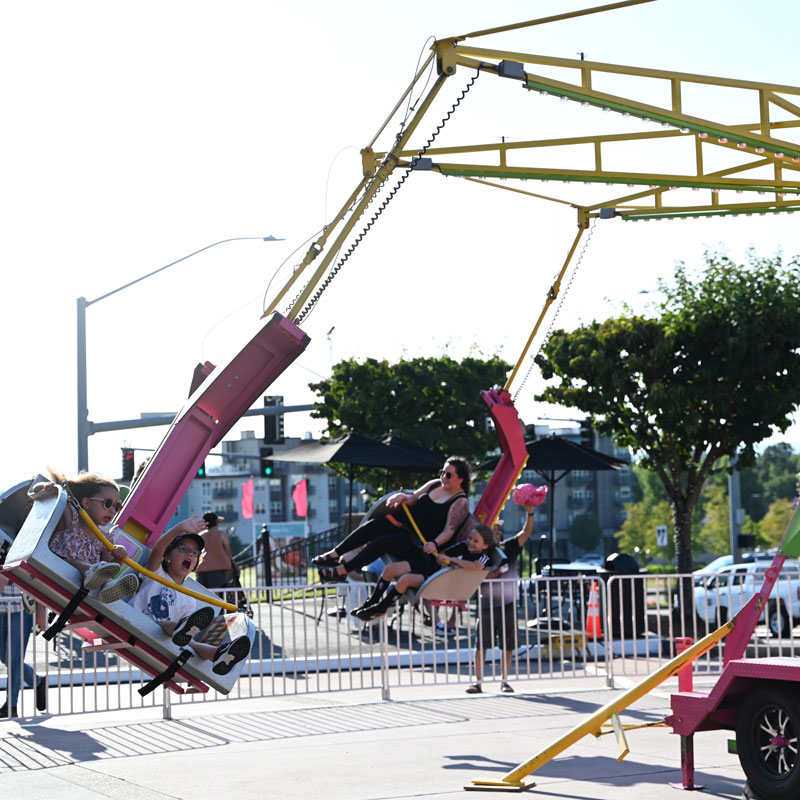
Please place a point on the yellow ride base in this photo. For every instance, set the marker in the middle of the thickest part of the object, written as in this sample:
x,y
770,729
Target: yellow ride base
x,y
499,786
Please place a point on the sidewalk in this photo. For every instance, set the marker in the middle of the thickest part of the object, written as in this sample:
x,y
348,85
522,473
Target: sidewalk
x,y
422,744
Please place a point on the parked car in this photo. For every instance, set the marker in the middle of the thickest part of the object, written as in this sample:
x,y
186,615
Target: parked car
x,y
727,561
720,596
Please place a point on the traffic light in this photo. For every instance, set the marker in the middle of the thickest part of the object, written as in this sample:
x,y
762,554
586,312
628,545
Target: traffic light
x,y
265,465
273,423
587,433
201,472
127,464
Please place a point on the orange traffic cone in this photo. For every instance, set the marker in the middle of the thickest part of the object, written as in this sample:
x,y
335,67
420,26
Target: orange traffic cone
x,y
593,626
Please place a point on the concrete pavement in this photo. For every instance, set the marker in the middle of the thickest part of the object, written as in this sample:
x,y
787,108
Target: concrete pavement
x,y
428,742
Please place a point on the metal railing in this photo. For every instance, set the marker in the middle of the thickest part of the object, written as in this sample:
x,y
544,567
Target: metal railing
x,y
307,642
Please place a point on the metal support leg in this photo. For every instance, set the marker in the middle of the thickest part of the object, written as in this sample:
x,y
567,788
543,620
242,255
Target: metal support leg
x,y
385,693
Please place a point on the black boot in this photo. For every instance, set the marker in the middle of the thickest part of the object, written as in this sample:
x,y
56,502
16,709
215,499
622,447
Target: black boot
x,y
380,587
379,609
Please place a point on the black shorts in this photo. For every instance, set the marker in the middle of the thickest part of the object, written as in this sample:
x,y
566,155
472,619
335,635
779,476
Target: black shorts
x,y
497,624
212,579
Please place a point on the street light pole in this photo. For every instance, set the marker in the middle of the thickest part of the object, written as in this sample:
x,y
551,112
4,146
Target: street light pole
x,y
85,426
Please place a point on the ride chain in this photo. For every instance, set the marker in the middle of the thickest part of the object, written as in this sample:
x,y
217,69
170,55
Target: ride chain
x,y
332,274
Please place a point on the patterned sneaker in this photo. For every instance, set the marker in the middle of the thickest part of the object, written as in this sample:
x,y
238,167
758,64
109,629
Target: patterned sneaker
x,y
190,626
123,587
99,575
228,655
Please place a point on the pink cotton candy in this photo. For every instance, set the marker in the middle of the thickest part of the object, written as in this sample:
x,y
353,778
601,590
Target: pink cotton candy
x,y
526,494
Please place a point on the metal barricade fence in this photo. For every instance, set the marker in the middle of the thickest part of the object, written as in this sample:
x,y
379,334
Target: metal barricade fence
x,y
307,642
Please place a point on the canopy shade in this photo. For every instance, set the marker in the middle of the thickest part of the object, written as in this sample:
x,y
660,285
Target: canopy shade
x,y
356,450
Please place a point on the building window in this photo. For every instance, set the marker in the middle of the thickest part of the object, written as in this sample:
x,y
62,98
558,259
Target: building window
x,y
276,509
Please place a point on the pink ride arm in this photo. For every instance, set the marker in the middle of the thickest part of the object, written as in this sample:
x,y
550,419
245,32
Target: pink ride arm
x,y
512,462
211,411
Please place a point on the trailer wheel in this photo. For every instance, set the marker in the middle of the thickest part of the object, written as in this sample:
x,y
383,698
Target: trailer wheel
x,y
767,740
778,621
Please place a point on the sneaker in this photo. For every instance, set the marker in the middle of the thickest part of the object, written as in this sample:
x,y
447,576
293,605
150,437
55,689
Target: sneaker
x,y
190,626
99,574
4,711
228,655
41,694
119,589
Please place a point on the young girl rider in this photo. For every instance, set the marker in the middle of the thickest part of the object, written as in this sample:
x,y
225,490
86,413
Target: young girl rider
x,y
174,556
75,542
472,554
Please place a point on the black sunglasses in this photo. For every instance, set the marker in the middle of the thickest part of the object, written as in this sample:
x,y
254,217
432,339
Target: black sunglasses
x,y
445,473
108,503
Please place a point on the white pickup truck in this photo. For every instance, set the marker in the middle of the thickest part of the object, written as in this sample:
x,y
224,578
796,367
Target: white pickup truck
x,y
721,595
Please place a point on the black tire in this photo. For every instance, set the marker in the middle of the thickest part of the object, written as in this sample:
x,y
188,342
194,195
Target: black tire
x,y
778,621
767,739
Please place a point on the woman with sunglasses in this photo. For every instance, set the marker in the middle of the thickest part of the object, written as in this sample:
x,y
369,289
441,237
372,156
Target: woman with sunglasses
x,y
439,507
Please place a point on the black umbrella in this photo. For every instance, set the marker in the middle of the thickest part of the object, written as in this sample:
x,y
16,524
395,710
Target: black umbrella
x,y
553,454
356,450
426,459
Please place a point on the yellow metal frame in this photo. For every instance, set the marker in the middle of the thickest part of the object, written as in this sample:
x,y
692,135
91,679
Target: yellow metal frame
x,y
656,191
593,724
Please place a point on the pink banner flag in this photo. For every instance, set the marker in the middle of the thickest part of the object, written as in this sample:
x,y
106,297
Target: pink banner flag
x,y
247,499
300,497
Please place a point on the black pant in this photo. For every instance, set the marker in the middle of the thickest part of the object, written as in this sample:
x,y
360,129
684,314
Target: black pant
x,y
398,544
372,529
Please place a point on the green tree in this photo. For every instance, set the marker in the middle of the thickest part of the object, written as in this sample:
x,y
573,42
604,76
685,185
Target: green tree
x,y
646,486
714,374
714,535
639,529
773,475
585,531
775,521
434,402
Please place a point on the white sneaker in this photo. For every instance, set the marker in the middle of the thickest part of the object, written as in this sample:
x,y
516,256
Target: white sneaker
x,y
99,574
119,589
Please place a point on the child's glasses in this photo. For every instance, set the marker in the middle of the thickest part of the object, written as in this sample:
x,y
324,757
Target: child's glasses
x,y
108,503
190,550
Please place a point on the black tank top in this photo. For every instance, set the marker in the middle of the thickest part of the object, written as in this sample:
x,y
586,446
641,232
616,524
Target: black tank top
x,y
431,517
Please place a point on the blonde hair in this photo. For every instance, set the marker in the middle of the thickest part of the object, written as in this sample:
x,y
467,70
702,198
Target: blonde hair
x,y
86,484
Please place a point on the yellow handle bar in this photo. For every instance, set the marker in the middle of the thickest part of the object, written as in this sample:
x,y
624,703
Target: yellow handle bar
x,y
419,532
214,601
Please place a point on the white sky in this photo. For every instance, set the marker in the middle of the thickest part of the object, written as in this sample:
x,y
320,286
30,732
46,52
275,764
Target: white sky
x,y
136,133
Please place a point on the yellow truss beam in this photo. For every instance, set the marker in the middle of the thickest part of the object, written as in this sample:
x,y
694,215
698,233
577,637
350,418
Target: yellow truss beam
x,y
773,168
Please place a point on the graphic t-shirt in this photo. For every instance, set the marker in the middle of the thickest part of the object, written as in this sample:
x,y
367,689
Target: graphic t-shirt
x,y
162,603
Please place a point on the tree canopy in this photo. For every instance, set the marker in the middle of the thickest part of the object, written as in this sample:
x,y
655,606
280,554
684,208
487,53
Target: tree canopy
x,y
712,374
434,402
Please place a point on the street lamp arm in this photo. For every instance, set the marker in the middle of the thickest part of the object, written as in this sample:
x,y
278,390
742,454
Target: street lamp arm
x,y
178,261
85,427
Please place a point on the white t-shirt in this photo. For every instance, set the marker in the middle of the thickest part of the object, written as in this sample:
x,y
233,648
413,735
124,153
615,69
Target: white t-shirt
x,y
162,603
